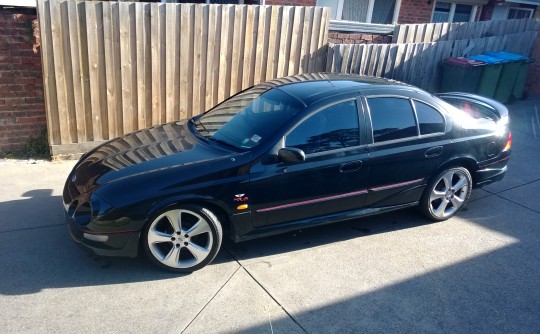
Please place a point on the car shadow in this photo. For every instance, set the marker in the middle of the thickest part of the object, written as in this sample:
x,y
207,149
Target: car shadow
x,y
256,250
38,253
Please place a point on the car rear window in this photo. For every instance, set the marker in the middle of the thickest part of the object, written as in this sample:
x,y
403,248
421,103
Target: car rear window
x,y
391,118
475,110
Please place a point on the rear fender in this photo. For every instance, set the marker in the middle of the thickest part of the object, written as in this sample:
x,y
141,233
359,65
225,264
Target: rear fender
x,y
466,162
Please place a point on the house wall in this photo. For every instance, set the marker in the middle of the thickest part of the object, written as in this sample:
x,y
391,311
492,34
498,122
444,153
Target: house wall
x,y
411,11
487,11
22,110
415,11
356,38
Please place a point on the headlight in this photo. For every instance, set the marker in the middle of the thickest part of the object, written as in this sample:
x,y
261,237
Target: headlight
x,y
82,213
85,212
99,206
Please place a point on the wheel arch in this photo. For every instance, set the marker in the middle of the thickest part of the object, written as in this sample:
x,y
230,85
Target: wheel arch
x,y
218,208
466,162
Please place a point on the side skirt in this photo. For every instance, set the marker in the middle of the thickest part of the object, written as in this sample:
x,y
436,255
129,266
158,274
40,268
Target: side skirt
x,y
318,221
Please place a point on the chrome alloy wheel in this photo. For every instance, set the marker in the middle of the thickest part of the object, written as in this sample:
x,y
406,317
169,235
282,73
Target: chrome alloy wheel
x,y
180,238
449,193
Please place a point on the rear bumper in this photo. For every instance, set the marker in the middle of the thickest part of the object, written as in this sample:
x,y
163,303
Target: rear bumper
x,y
125,244
487,176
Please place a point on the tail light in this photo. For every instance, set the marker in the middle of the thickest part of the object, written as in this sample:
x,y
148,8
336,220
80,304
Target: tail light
x,y
508,142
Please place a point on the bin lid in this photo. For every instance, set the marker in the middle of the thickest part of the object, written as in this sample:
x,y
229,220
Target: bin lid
x,y
506,56
487,59
463,62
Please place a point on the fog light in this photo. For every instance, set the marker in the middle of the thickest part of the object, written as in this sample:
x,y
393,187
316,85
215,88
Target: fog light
x,y
94,237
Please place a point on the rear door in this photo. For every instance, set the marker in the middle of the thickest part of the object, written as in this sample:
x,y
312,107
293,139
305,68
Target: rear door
x,y
410,139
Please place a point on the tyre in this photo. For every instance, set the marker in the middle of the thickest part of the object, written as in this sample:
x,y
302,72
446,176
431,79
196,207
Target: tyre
x,y
446,194
183,238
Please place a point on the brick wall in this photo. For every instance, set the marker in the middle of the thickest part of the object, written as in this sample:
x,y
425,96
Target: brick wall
x,y
533,79
415,11
22,110
356,38
291,2
487,11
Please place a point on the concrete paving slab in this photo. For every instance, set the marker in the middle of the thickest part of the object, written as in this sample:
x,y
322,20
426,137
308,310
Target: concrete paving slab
x,y
457,276
525,120
241,305
48,284
30,193
477,194
522,169
526,195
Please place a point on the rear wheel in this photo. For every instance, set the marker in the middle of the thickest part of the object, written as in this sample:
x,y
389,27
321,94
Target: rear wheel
x,y
183,239
446,194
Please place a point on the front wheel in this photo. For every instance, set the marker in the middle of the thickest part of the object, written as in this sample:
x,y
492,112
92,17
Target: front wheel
x,y
446,194
183,239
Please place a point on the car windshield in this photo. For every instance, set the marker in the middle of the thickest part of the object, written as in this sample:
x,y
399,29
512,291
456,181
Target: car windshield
x,y
249,118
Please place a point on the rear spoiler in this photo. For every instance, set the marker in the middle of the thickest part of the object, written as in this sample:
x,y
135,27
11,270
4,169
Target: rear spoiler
x,y
498,108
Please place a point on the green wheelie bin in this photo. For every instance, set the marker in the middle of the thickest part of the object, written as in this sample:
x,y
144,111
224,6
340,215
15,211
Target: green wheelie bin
x,y
491,71
460,74
507,80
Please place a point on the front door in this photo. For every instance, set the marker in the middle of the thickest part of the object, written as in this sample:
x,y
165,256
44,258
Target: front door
x,y
332,178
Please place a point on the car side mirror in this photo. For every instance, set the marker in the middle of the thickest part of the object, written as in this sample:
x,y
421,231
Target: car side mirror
x,y
291,154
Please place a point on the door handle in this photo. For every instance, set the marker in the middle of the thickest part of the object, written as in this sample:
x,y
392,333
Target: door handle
x,y
434,152
349,167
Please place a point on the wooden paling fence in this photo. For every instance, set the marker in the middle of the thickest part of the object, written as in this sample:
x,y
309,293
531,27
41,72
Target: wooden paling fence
x,y
418,63
435,32
111,68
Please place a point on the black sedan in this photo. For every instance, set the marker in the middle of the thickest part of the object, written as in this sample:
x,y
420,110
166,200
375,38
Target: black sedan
x,y
284,155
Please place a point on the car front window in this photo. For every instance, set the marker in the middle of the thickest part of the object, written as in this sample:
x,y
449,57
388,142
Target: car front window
x,y
332,128
249,118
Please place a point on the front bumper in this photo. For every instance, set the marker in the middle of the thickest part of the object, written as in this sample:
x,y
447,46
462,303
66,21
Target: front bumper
x,y
122,244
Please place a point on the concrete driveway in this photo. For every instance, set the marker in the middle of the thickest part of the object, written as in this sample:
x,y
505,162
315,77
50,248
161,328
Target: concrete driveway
x,y
479,272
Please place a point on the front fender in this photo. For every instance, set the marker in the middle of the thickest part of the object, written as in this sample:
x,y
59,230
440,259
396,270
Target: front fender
x,y
184,199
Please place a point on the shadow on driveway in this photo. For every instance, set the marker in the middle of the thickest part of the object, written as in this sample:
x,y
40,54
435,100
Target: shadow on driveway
x,y
38,252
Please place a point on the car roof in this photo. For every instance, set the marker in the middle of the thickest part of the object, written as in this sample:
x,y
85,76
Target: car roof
x,y
313,87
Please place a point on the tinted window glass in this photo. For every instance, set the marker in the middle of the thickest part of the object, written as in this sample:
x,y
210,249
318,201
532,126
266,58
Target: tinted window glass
x,y
429,119
392,118
329,129
249,118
